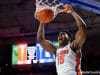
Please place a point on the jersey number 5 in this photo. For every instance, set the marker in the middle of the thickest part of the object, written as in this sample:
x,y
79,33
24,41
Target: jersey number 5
x,y
61,56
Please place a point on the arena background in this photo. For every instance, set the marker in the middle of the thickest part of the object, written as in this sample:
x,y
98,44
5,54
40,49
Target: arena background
x,y
17,24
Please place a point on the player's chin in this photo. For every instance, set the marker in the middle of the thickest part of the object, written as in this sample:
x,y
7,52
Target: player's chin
x,y
61,41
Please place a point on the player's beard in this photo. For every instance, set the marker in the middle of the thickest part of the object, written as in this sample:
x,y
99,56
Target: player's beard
x,y
63,42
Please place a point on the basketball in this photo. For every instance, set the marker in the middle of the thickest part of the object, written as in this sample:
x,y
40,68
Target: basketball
x,y
44,15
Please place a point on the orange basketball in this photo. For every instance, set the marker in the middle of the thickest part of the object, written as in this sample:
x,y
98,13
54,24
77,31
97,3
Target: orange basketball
x,y
45,15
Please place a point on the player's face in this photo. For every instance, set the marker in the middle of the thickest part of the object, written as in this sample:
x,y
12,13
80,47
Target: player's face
x,y
63,38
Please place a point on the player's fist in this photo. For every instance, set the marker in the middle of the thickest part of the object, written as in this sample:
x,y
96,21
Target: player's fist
x,y
67,8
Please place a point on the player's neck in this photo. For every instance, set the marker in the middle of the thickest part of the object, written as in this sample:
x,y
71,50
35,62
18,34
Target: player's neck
x,y
63,44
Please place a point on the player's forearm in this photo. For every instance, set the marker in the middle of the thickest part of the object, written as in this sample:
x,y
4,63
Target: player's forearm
x,y
68,9
40,33
80,23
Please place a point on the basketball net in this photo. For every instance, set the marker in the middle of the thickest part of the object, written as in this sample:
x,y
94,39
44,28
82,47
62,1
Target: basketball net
x,y
49,4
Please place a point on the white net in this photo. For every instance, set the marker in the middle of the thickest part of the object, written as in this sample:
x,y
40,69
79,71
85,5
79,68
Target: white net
x,y
48,2
54,5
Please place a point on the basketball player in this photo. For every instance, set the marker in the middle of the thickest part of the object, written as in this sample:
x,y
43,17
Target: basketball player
x,y
68,53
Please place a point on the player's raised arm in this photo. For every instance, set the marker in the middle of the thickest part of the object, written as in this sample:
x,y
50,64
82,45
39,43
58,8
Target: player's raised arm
x,y
81,33
46,44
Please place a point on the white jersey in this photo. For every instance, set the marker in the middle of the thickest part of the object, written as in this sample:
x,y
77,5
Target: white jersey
x,y
67,61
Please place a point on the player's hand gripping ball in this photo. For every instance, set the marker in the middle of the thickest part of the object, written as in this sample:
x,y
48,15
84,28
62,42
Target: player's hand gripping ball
x,y
45,15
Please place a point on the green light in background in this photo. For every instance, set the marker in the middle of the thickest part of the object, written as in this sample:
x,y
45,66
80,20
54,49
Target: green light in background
x,y
14,54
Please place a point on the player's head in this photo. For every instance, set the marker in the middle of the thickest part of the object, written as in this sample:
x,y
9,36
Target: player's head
x,y
63,38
